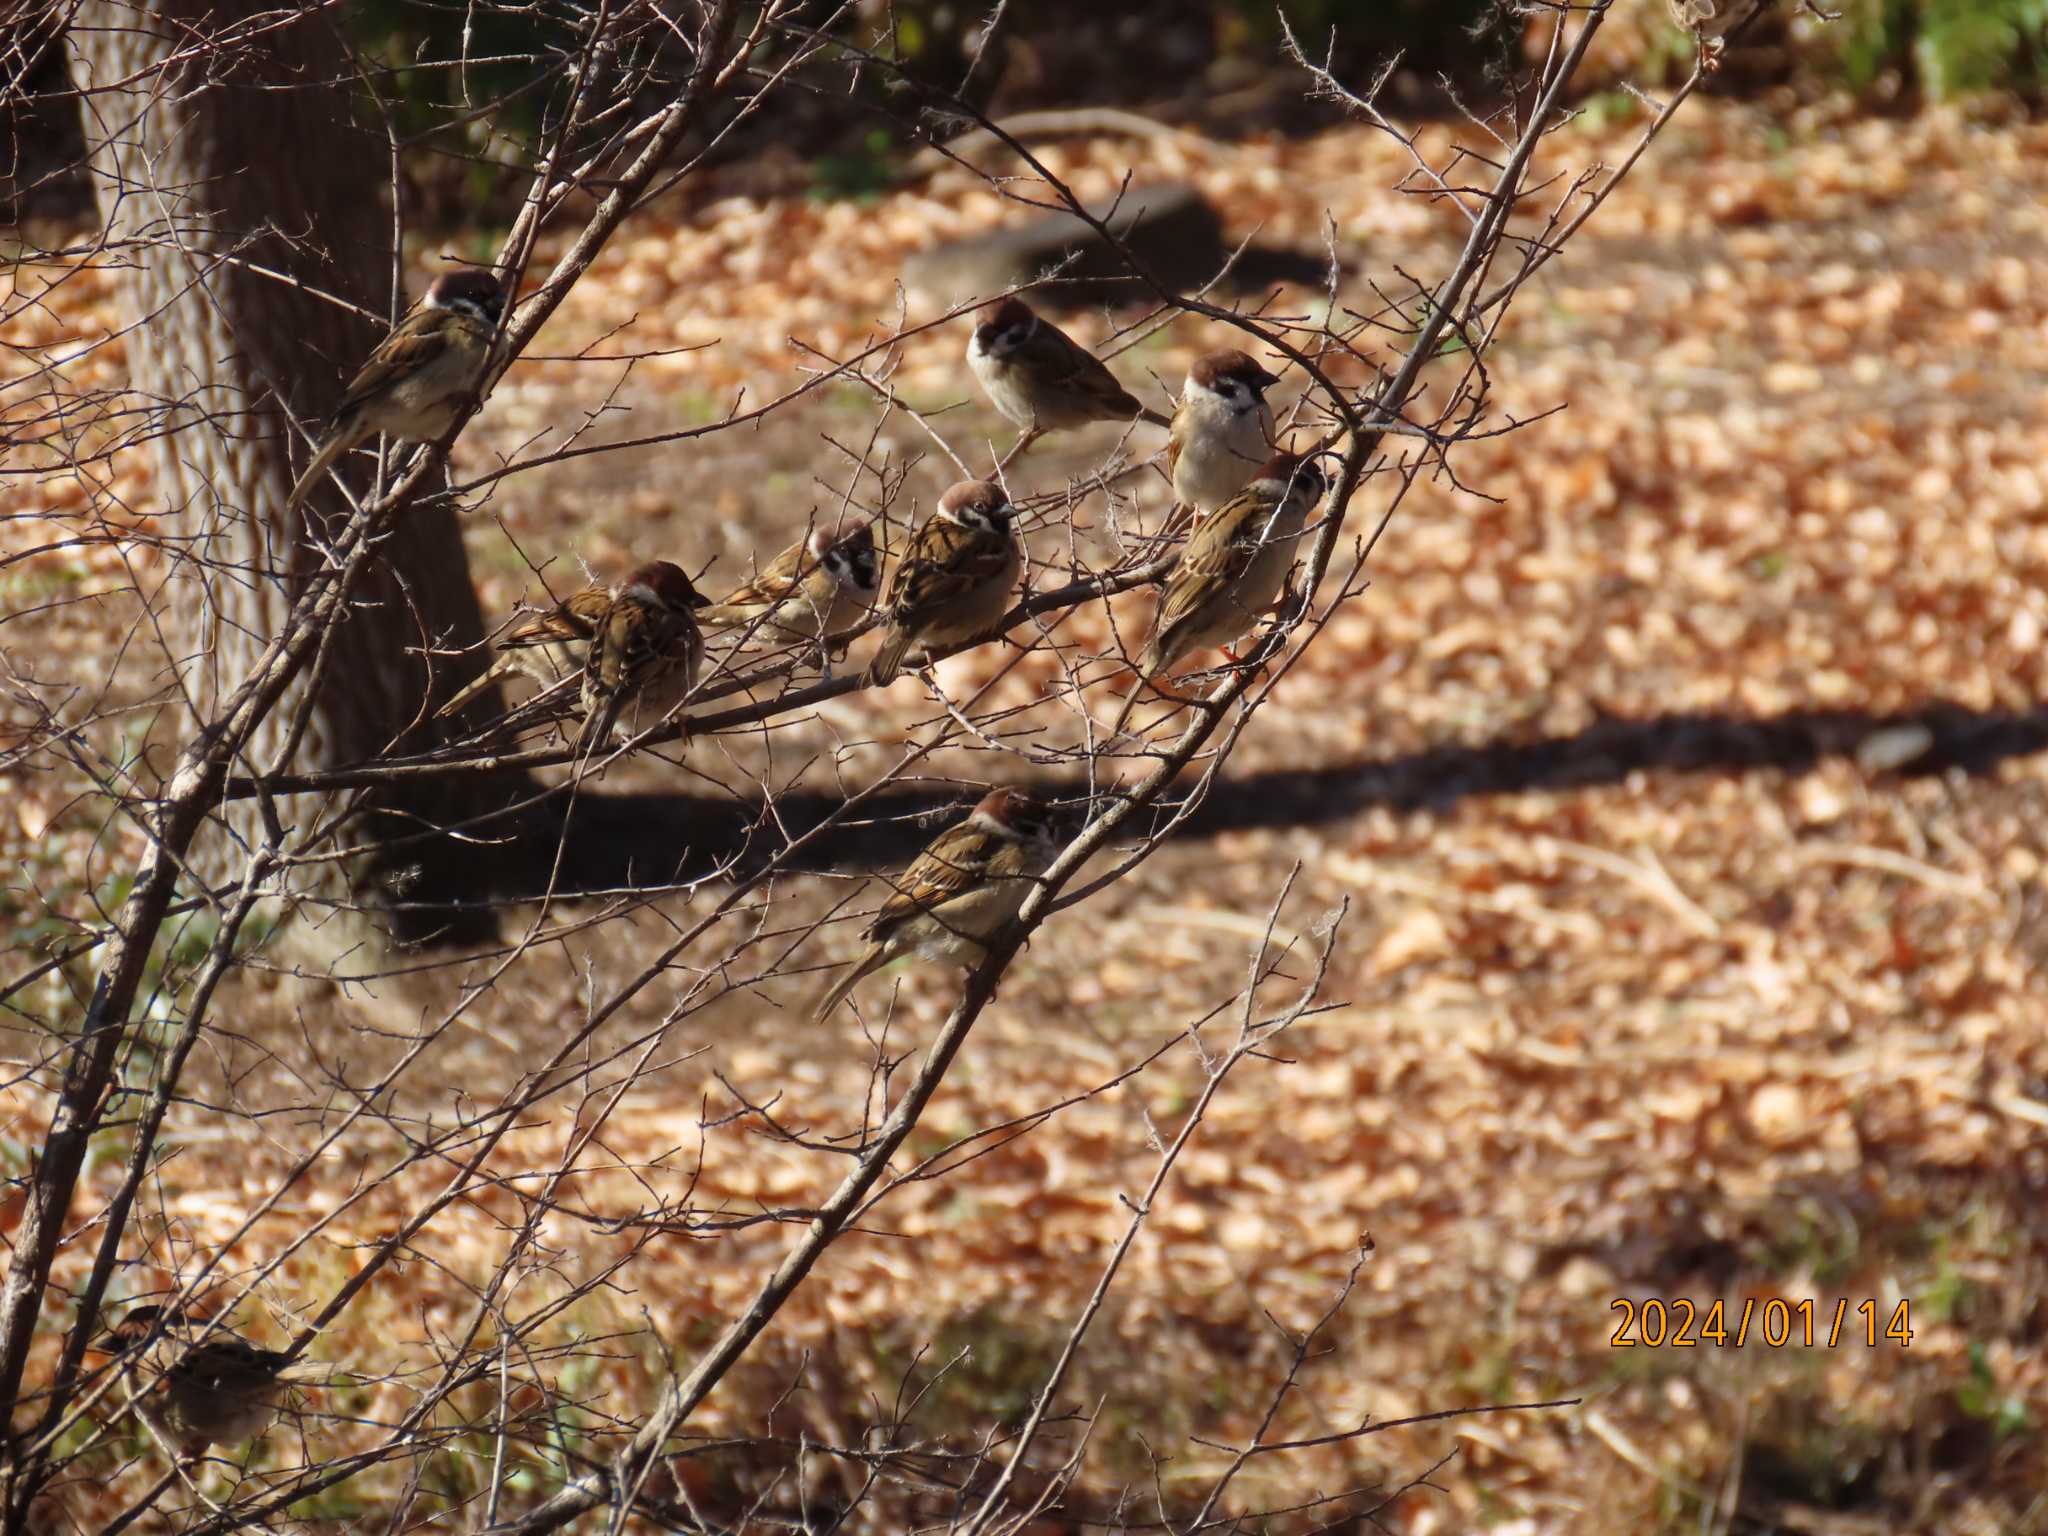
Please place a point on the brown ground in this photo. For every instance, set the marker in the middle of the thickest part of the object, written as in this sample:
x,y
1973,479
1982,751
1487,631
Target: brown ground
x,y
1656,982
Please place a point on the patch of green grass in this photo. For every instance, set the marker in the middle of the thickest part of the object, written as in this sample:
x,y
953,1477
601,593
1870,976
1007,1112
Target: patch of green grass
x,y
1769,566
1981,1397
1812,1240
1608,109
860,173
28,585
1006,1364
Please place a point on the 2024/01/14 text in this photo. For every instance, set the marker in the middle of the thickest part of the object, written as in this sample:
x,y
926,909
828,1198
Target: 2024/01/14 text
x,y
1682,1324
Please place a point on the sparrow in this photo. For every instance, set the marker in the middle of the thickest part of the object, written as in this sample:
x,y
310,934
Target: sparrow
x,y
194,1386
644,653
420,377
1222,430
1040,379
818,586
954,580
965,887
1232,568
1711,21
547,648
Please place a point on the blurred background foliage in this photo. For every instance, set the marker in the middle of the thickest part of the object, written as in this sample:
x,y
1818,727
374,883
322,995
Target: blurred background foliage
x,y
1214,65
1943,50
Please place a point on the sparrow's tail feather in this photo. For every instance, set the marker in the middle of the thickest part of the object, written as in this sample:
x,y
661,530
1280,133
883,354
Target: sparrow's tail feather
x,y
835,994
888,660
1149,666
338,442
498,669
1130,703
597,727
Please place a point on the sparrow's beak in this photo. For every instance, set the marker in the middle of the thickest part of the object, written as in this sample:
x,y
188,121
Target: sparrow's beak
x,y
1267,380
698,599
984,335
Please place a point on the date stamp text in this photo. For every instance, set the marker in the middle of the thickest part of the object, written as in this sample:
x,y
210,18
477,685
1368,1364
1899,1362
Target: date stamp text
x,y
1682,1324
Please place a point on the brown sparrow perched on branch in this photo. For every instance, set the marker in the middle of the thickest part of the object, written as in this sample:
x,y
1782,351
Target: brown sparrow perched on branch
x,y
1222,430
954,580
195,1387
1232,568
815,588
645,652
1040,378
546,648
965,887
420,377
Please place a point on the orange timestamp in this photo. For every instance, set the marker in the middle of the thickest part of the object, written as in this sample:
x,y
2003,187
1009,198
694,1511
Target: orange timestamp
x,y
1681,1324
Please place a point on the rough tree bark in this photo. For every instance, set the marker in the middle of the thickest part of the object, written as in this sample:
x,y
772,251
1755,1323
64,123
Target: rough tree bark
x,y
238,184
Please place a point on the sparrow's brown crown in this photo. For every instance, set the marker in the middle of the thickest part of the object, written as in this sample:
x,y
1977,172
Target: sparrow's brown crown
x,y
1016,812
1296,472
1212,368
469,289
137,1323
852,558
1005,321
847,538
977,504
667,581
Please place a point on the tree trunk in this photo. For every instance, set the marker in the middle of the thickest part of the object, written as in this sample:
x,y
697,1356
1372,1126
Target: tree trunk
x,y
236,178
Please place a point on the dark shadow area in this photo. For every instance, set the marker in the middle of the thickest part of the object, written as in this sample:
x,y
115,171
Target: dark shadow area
x,y
1175,232
1946,737
618,841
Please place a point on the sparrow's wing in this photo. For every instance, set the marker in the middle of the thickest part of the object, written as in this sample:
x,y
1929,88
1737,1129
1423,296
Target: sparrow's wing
x,y
955,861
228,1362
944,563
627,643
574,618
1079,370
419,339
777,580
1215,555
619,646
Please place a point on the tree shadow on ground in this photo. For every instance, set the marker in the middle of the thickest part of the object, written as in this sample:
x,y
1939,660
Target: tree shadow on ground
x,y
625,841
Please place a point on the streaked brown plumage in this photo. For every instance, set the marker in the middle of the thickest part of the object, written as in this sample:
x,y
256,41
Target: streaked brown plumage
x,y
548,647
955,579
645,654
420,377
818,586
1040,378
1233,566
1231,571
196,1387
965,886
